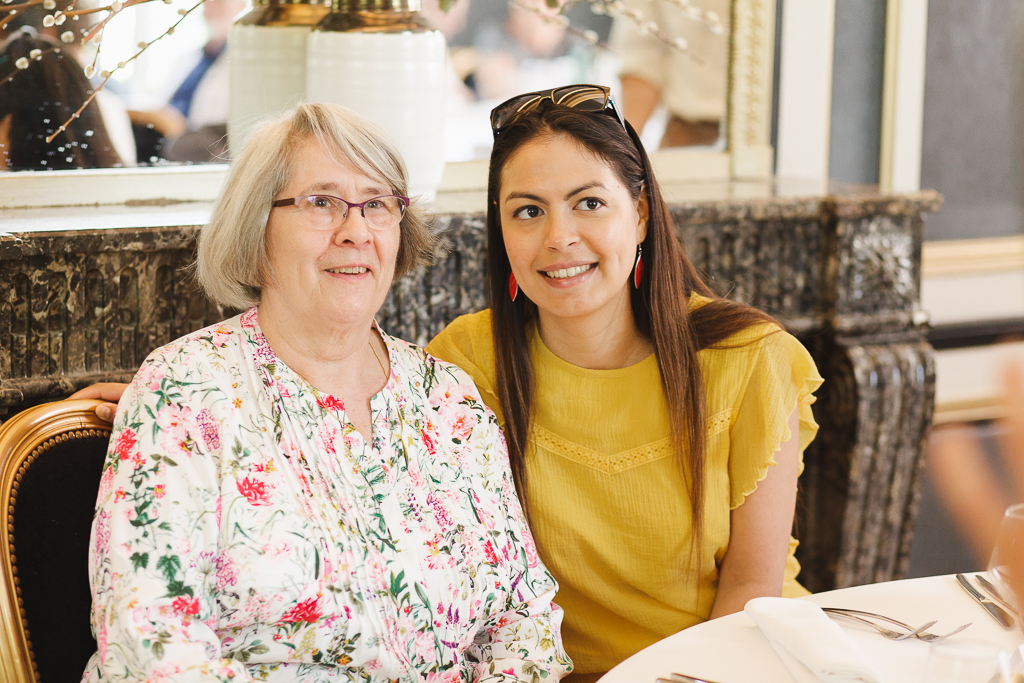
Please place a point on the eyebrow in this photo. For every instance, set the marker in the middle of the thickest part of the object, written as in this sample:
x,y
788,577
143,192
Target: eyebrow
x,y
569,195
329,186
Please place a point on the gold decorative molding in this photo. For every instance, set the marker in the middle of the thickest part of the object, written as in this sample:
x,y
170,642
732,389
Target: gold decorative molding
x,y
750,88
22,438
972,257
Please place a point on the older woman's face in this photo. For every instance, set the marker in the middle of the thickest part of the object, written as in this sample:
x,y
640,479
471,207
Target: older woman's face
x,y
340,272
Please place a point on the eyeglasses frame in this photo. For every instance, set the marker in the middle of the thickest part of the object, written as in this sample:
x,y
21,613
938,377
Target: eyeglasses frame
x,y
294,201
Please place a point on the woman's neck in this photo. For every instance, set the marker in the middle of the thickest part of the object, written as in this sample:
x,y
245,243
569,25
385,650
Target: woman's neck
x,y
604,340
333,357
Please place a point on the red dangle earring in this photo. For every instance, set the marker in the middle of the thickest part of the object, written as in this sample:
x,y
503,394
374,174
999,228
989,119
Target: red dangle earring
x,y
638,268
513,286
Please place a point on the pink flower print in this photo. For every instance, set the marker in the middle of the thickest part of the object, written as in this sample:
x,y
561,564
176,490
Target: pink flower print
x,y
227,571
184,604
126,443
530,547
102,532
492,557
425,647
328,434
209,429
441,515
446,396
221,336
460,421
255,491
429,437
172,422
308,611
159,491
106,483
510,671
119,495
330,402
249,318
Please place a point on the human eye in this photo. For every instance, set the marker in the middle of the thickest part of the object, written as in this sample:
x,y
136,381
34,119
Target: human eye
x,y
319,201
525,213
589,204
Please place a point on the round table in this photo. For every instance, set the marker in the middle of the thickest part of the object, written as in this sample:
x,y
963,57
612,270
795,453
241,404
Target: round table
x,y
733,650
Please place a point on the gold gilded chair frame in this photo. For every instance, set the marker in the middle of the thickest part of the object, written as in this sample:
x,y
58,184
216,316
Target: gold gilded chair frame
x,y
23,439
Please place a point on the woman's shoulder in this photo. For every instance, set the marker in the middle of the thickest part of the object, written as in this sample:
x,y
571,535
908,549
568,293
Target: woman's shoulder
x,y
204,350
467,342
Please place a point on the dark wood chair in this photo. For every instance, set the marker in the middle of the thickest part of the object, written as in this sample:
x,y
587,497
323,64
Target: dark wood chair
x,y
51,461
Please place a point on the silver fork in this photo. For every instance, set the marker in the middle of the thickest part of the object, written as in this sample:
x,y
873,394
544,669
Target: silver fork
x,y
891,635
917,633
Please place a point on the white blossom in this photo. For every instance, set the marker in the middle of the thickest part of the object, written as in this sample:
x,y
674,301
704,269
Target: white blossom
x,y
182,11
170,30
48,20
635,14
35,54
90,70
120,65
717,29
597,7
116,6
680,43
49,4
143,44
104,74
22,63
590,36
67,37
60,18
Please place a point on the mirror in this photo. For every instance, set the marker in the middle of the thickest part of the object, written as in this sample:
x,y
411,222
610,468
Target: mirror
x,y
497,48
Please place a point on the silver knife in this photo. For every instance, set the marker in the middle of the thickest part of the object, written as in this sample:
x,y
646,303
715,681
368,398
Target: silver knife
x,y
990,588
997,612
682,678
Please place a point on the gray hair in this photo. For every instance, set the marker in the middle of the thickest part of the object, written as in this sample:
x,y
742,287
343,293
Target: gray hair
x,y
232,256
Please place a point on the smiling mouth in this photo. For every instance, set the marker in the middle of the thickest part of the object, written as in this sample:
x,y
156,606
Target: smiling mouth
x,y
565,273
354,270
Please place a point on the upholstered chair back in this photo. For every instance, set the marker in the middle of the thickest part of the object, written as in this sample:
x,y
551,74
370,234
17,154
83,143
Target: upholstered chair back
x,y
51,460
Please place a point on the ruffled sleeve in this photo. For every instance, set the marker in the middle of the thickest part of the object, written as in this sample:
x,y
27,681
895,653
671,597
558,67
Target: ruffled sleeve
x,y
782,377
466,342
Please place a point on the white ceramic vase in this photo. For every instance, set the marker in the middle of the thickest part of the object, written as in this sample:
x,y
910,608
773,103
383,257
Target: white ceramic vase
x,y
387,63
268,64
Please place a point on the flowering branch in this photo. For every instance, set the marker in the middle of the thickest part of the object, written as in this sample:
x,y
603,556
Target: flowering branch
x,y
143,46
616,8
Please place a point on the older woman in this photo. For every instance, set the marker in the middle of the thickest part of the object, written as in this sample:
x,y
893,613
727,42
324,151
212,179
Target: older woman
x,y
294,495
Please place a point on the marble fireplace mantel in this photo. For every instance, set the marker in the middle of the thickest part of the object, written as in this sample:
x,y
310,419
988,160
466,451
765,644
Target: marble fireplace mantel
x,y
87,292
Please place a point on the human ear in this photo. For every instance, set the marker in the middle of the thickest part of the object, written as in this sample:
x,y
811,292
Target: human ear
x,y
643,213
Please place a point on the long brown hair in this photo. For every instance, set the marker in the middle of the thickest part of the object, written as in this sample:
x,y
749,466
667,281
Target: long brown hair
x,y
659,305
42,97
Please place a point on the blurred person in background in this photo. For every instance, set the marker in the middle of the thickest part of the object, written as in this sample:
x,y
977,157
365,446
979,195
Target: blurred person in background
x,y
194,121
974,493
691,85
43,87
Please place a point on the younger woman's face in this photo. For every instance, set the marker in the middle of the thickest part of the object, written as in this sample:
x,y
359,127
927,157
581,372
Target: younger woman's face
x,y
570,228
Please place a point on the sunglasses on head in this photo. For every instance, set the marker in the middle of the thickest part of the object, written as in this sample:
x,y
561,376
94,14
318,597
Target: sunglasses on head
x,y
590,98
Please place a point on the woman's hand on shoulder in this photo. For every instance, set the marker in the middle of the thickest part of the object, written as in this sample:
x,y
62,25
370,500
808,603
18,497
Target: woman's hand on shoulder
x,y
110,392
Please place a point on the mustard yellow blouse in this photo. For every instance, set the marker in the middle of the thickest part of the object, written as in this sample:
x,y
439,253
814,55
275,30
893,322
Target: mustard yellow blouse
x,y
611,514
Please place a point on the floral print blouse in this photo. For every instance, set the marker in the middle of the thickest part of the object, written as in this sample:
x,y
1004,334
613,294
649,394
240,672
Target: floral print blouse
x,y
245,529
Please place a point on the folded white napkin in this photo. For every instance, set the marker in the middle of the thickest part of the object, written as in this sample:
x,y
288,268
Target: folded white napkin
x,y
808,642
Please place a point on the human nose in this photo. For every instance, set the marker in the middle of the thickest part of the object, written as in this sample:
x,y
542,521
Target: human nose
x,y
560,231
352,228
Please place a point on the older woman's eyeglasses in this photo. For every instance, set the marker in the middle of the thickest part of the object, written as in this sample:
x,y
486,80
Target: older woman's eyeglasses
x,y
323,210
590,98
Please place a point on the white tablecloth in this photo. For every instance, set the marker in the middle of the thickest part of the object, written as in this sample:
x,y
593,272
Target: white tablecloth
x,y
732,649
